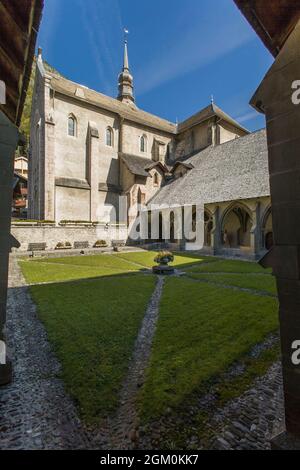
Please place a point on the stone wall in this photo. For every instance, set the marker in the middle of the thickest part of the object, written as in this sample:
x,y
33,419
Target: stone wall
x,y
52,235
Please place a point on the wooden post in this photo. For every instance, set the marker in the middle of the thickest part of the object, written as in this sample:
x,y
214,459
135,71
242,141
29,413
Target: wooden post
x,y
9,136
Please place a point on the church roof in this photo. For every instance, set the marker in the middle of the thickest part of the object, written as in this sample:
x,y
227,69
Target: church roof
x,y
127,111
139,165
237,169
131,112
206,113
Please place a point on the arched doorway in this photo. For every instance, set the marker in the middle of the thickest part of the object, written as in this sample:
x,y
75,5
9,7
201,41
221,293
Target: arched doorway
x,y
236,228
208,226
267,230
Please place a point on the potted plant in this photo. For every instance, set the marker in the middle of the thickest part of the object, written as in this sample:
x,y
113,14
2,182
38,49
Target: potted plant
x,y
60,246
163,258
100,244
68,245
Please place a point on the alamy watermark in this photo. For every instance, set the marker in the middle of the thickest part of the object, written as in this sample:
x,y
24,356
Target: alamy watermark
x,y
296,353
2,92
296,93
2,353
155,222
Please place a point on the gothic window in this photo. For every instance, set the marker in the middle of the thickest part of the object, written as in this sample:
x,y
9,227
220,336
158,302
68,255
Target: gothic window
x,y
155,179
72,126
109,137
143,144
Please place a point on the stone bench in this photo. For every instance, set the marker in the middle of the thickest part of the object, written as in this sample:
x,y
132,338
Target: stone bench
x,y
81,245
117,244
37,246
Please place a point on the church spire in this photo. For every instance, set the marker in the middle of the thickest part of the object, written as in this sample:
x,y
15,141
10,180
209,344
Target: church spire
x,y
125,78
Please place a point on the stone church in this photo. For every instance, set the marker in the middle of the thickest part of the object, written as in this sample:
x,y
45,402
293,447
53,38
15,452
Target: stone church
x,y
88,149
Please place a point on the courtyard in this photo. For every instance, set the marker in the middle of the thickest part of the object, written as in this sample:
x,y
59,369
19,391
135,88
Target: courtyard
x,y
147,360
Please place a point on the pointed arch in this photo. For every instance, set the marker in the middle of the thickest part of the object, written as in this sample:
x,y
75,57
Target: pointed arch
x,y
143,143
72,125
109,137
236,226
267,229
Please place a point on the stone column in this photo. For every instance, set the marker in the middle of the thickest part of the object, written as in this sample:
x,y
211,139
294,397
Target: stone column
x,y
9,136
93,152
49,165
216,230
255,233
276,98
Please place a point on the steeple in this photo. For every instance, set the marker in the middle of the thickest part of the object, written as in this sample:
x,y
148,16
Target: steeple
x,y
125,78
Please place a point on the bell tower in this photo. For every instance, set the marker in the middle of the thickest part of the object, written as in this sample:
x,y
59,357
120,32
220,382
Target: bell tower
x,y
125,78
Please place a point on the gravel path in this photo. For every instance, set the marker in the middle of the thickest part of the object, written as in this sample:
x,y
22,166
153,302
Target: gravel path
x,y
124,426
35,411
250,421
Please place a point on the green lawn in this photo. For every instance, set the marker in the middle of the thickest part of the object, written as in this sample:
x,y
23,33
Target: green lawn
x,y
93,326
249,281
201,330
181,260
74,267
230,266
93,306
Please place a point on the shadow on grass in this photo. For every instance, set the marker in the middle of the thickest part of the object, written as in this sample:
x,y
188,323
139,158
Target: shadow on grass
x,y
92,325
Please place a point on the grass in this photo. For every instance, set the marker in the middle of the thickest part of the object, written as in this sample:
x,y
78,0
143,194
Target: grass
x,y
146,258
74,267
201,330
230,266
93,326
264,284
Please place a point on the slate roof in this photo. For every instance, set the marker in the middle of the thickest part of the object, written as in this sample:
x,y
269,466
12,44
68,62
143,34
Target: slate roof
x,y
237,169
130,112
140,166
206,113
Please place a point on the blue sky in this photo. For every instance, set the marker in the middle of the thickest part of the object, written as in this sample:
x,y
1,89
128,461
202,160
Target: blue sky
x,y
180,52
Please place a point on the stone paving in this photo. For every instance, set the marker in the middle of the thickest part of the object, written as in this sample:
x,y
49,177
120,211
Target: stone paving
x,y
35,411
250,421
125,425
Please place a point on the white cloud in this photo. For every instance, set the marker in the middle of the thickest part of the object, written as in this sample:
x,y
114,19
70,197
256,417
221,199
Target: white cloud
x,y
103,25
201,43
247,116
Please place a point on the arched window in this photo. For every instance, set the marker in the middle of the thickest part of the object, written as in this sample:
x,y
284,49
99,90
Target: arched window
x,y
143,144
109,137
155,179
72,126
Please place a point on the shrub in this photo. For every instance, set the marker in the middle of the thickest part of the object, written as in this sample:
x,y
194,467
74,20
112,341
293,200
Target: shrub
x,y
100,243
164,257
59,245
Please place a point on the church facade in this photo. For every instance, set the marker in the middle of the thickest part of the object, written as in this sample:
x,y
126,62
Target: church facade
x,y
89,151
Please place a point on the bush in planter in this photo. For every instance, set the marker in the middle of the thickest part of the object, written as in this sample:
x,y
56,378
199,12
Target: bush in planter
x,y
100,244
164,257
68,245
59,246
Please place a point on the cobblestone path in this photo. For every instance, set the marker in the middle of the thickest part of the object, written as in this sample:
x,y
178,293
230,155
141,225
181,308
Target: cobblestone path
x,y
35,411
124,427
250,421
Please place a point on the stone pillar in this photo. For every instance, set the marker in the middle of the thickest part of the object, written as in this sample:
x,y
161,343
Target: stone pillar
x,y
9,136
255,233
93,153
216,231
275,98
49,149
